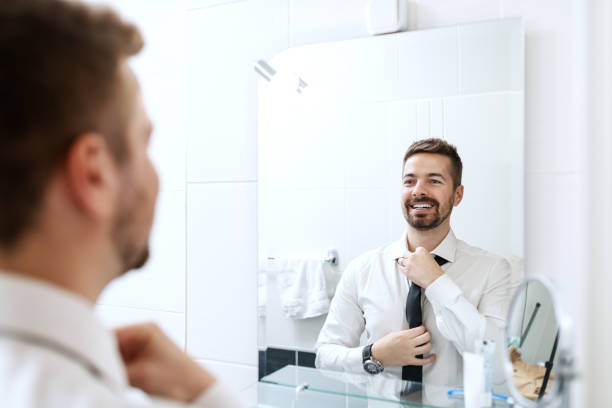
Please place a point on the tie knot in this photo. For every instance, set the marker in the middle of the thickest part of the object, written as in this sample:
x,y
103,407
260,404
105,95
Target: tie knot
x,y
441,261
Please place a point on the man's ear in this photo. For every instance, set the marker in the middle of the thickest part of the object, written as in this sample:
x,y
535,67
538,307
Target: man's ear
x,y
91,176
458,195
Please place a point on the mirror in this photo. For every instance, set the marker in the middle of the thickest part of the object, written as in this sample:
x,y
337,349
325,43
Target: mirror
x,y
334,121
537,359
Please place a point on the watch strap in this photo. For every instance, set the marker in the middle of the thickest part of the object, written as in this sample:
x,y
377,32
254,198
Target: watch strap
x,y
366,354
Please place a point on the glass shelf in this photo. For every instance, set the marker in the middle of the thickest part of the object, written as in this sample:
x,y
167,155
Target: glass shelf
x,y
302,386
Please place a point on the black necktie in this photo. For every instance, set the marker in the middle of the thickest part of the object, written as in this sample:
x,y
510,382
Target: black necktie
x,y
414,315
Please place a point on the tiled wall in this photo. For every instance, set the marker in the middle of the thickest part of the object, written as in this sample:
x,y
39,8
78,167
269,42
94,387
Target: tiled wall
x,y
205,147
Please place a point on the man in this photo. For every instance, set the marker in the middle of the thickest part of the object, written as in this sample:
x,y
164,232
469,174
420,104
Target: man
x,y
455,294
77,198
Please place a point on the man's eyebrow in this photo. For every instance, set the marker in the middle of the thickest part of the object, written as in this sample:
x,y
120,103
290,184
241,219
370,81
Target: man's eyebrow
x,y
428,175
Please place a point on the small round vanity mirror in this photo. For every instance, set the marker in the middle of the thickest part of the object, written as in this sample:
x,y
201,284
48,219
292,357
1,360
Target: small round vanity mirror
x,y
535,364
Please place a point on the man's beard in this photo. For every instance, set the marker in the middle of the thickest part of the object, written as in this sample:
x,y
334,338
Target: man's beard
x,y
425,223
131,255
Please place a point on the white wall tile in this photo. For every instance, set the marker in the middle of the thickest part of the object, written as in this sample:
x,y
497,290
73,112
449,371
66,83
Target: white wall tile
x,y
553,225
160,285
249,395
300,222
423,120
163,97
436,120
237,377
553,16
197,4
492,56
439,13
436,73
367,220
402,117
222,272
291,136
487,130
403,132
159,68
343,70
365,144
306,143
548,80
173,324
313,21
221,84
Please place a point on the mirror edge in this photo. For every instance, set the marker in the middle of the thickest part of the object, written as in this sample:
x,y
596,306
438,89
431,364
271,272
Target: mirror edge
x,y
565,350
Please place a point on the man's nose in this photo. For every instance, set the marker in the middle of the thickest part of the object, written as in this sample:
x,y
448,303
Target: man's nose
x,y
419,189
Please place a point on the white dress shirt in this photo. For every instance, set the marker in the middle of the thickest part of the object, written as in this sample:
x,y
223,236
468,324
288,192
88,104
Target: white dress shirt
x,y
468,303
55,353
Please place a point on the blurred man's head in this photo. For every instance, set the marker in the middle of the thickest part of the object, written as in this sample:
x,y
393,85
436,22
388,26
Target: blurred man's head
x,y
73,129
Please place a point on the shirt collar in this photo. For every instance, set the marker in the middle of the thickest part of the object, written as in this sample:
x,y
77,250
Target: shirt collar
x,y
50,313
445,249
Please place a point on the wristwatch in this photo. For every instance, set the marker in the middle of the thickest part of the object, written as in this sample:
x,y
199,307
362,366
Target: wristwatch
x,y
370,365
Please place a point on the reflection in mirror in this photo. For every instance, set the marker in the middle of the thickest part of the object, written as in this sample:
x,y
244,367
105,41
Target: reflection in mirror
x,y
330,162
533,335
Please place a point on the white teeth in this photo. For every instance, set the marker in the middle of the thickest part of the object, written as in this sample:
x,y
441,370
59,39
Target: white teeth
x,y
419,206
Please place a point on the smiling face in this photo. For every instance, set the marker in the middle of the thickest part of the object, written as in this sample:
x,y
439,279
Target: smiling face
x,y
428,193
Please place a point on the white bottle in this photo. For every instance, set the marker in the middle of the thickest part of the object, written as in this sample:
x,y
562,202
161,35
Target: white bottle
x,y
473,379
487,350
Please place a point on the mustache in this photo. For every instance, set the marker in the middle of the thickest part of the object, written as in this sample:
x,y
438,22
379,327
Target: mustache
x,y
422,200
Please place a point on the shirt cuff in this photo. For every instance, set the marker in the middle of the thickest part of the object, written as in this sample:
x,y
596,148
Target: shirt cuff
x,y
443,291
354,359
218,396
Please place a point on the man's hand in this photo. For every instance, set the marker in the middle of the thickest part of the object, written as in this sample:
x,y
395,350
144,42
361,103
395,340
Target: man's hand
x,y
420,267
157,366
401,348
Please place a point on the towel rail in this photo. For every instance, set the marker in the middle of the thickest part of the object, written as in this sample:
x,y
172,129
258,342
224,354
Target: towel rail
x,y
332,257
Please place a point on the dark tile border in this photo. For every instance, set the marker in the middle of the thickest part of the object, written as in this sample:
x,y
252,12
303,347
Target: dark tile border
x,y
273,359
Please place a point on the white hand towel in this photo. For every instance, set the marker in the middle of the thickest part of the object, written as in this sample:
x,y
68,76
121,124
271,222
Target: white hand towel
x,y
302,284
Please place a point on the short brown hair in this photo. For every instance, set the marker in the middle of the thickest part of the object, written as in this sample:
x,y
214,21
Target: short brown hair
x,y
439,146
59,78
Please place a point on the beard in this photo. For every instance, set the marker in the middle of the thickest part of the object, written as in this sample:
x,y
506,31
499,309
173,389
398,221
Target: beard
x,y
131,248
131,254
426,222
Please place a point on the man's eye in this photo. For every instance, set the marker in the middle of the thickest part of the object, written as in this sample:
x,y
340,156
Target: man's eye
x,y
436,181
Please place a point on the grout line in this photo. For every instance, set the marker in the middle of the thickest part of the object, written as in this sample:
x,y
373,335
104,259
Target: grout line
x,y
224,362
456,96
188,183
186,218
219,4
148,309
459,84
552,172
444,119
289,33
431,118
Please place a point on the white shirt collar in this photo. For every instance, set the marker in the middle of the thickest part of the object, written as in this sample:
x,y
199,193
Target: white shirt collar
x,y
48,312
445,249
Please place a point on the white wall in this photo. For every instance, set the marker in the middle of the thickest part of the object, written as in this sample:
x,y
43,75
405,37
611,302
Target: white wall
x,y
211,166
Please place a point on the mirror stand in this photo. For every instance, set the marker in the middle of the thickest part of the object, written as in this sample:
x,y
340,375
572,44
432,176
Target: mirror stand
x,y
549,347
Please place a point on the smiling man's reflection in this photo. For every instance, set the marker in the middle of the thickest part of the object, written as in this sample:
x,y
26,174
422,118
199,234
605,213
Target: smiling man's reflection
x,y
412,307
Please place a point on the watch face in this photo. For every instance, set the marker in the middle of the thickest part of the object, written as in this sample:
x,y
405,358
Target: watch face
x,y
371,367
